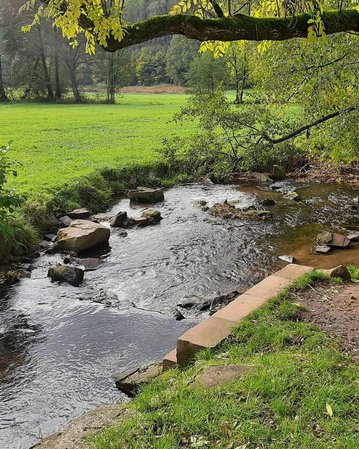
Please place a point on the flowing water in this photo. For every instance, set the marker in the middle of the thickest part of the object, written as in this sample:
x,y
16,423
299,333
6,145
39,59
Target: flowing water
x,y
59,345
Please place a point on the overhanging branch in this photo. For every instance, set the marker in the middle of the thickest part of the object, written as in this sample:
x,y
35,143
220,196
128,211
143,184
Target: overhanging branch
x,y
238,27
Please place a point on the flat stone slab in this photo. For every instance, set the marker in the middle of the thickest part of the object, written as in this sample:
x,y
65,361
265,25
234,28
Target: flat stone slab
x,y
293,271
216,376
240,307
82,235
145,195
169,360
269,287
79,214
207,334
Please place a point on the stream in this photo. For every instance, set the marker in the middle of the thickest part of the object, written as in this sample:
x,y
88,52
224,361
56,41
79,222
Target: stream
x,y
60,345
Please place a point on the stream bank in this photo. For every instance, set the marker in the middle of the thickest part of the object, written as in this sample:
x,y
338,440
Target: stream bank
x,y
61,344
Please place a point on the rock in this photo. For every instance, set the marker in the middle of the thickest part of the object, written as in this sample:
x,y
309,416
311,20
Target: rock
x,y
278,173
206,181
89,263
66,273
324,237
215,376
145,195
278,185
265,214
356,200
292,196
268,202
152,215
141,221
50,237
178,315
131,381
82,235
339,272
122,234
202,203
339,241
354,236
79,214
119,220
288,259
45,244
65,220
322,249
226,210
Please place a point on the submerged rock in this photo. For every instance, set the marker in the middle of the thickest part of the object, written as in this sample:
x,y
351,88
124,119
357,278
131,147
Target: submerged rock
x,y
227,210
89,263
130,381
268,202
145,195
288,259
66,273
292,196
82,235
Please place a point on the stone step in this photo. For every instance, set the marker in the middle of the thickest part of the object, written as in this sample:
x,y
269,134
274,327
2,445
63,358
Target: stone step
x,y
170,360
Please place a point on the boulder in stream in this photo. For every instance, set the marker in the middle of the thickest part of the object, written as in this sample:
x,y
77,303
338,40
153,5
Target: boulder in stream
x,y
66,273
119,220
267,202
332,239
278,173
322,249
79,214
152,215
293,196
82,235
145,195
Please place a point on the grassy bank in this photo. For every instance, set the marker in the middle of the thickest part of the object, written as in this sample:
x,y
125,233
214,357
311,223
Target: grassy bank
x,y
80,155
302,394
58,144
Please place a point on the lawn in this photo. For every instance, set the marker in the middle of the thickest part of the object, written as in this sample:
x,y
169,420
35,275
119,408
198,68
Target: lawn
x,y
59,143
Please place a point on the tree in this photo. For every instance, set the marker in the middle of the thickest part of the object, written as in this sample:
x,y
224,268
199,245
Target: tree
x,y
180,54
102,22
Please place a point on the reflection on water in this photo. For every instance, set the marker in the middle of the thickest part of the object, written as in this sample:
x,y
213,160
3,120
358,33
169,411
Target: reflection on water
x,y
58,348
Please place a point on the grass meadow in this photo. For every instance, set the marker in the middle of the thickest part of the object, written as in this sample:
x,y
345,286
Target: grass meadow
x,y
57,144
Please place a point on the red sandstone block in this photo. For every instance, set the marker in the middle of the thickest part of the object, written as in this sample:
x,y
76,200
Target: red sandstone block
x,y
170,360
269,287
207,334
293,271
240,307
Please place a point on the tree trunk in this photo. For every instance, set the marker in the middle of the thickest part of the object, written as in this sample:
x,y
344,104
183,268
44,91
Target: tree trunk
x,y
3,96
58,93
71,65
111,80
45,69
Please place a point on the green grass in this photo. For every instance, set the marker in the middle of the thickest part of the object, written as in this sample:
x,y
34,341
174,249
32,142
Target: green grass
x,y
303,393
58,144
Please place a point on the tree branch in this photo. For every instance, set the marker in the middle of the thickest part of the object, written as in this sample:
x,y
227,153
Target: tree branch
x,y
310,125
239,27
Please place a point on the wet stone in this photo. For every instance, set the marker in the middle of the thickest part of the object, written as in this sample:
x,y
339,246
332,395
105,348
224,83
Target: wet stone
x,y
79,214
288,259
268,202
145,195
131,381
293,196
322,249
66,273
120,220
152,215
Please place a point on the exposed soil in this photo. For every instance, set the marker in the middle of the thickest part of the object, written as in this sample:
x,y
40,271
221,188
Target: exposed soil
x,y
160,89
334,308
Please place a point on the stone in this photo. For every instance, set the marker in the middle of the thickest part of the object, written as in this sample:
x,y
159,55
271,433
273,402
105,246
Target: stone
x,y
293,271
152,215
288,259
324,237
178,315
79,214
322,249
141,221
354,236
145,195
339,272
50,237
65,220
254,213
131,381
82,235
169,360
339,241
278,173
66,273
293,196
267,202
89,263
216,376
119,220
356,200
206,181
